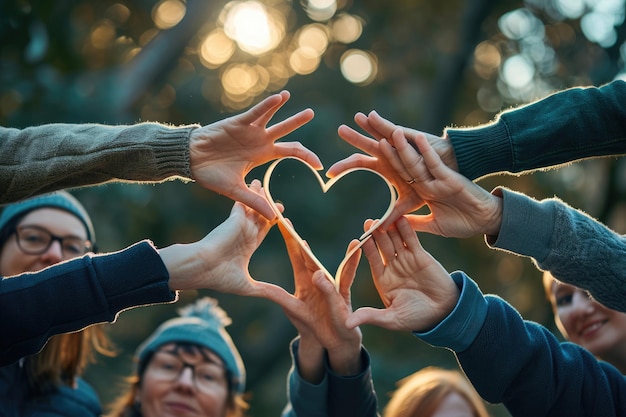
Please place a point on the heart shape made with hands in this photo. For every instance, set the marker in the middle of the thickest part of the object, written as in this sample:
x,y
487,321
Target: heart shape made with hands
x,y
325,187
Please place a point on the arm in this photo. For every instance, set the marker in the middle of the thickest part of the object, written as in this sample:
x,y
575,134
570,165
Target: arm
x,y
329,360
507,359
567,126
527,368
218,156
95,288
573,246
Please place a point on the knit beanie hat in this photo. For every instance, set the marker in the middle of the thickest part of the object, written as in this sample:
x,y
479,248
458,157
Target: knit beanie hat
x,y
59,199
202,323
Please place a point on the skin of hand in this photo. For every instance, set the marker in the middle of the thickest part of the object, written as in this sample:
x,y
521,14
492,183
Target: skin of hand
x,y
221,154
319,312
381,129
220,260
458,207
418,293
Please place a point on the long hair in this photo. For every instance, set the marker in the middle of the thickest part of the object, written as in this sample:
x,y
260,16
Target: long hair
x,y
65,357
421,393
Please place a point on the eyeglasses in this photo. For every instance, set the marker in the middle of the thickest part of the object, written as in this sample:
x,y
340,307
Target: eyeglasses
x,y
35,240
168,366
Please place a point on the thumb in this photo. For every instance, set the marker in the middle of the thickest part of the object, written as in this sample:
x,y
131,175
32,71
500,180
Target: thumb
x,y
321,281
366,315
422,223
254,201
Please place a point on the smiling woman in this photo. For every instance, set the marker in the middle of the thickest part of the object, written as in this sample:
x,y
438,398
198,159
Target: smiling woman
x,y
584,321
188,365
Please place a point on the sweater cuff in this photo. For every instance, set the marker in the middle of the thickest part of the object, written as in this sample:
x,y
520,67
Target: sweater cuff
x,y
302,394
482,151
461,327
132,277
172,152
527,225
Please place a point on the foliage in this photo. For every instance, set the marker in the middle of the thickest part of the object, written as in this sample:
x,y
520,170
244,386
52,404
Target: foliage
x,y
433,64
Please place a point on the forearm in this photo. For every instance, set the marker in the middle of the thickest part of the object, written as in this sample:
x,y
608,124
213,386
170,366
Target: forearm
x,y
567,126
75,294
543,377
39,159
574,247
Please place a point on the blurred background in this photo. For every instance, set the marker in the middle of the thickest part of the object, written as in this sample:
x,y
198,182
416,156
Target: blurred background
x,y
422,63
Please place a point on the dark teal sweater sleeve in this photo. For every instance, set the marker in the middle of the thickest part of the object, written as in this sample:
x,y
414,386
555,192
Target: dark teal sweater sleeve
x,y
72,295
335,395
570,125
521,364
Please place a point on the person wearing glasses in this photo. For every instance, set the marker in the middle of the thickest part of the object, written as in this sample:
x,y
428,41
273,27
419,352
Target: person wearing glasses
x,y
188,366
217,156
34,235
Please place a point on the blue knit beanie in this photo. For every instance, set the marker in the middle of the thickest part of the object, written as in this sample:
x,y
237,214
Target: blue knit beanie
x,y
202,323
59,199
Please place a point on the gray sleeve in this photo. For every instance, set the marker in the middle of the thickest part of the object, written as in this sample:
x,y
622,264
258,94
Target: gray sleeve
x,y
573,246
45,158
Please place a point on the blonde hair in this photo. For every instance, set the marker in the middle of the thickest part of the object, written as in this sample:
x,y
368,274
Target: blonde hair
x,y
421,393
65,356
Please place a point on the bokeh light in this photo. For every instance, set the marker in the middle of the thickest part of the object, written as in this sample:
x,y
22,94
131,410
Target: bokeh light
x,y
216,49
168,13
517,71
250,25
321,10
359,67
346,28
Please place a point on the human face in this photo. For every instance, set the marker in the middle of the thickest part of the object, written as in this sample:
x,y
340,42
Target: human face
x,y
58,222
171,384
582,320
454,405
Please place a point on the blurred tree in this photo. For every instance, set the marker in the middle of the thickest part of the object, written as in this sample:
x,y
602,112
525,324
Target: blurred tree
x,y
423,63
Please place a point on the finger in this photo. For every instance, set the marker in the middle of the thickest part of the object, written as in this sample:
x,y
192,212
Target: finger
x,y
410,157
356,160
385,245
422,223
349,270
373,257
363,122
380,124
396,240
369,315
297,149
260,113
354,138
407,234
290,124
254,201
276,294
433,162
391,155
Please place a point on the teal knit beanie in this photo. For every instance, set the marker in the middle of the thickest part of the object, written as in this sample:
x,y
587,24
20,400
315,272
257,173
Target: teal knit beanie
x,y
201,323
59,199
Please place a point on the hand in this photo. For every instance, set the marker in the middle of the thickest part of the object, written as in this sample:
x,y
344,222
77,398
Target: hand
x,y
458,207
381,129
418,293
319,313
224,152
220,261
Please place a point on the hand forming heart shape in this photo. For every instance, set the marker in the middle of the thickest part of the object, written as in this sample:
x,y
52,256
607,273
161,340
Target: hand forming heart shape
x,y
325,187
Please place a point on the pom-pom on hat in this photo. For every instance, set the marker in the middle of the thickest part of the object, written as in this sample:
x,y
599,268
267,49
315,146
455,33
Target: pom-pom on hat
x,y
202,323
59,199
